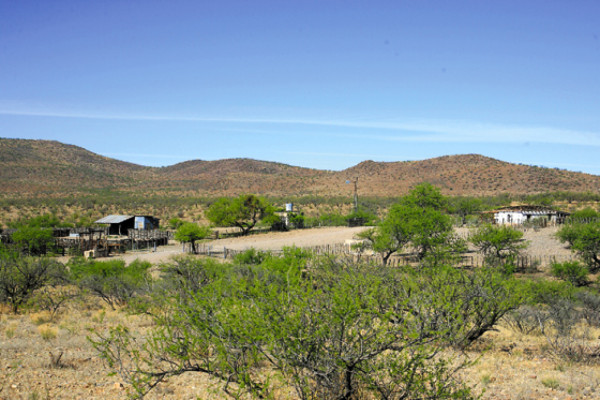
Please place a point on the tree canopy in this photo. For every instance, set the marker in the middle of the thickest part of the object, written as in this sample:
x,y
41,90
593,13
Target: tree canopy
x,y
190,232
584,239
419,219
243,212
499,244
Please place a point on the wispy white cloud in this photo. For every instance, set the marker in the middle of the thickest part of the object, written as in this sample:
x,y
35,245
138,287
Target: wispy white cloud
x,y
406,130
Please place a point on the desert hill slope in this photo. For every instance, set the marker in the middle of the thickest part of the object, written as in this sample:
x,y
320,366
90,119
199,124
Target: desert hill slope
x,y
50,168
34,166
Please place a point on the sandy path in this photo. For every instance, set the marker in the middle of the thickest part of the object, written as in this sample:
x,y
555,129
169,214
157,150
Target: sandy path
x,y
298,238
540,243
260,241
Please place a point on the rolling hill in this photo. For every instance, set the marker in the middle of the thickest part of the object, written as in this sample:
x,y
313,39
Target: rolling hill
x,y
49,168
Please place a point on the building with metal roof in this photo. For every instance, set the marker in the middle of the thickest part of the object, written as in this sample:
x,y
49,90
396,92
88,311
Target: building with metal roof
x,y
517,215
120,224
114,219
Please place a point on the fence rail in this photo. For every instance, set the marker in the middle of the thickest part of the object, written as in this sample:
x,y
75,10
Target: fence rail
x,y
523,262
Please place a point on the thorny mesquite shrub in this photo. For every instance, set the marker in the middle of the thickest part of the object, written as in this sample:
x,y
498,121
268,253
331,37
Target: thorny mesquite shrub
x,y
326,328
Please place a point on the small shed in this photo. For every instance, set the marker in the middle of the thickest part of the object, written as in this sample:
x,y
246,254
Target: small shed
x,y
121,224
517,215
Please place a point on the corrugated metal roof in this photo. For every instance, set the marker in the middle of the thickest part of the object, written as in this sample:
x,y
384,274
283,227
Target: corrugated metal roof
x,y
531,209
114,219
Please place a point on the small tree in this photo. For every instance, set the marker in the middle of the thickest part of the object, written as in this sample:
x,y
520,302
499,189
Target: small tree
x,y
190,232
418,219
389,237
585,241
422,214
500,245
465,206
243,212
35,239
21,276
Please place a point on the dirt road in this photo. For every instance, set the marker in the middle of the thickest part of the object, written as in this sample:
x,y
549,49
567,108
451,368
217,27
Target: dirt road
x,y
262,241
541,243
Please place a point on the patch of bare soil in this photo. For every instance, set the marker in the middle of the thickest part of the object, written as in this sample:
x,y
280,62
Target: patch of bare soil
x,y
260,241
299,238
540,243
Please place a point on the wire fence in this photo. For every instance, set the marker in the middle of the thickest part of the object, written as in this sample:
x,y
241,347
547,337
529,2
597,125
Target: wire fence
x,y
522,262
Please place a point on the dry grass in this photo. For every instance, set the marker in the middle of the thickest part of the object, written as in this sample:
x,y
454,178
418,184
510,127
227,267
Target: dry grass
x,y
10,330
42,317
509,365
47,331
517,366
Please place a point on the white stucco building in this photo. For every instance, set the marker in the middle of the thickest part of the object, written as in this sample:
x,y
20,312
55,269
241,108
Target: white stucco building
x,y
516,215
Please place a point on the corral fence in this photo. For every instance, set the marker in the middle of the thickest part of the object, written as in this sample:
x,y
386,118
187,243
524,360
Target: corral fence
x,y
467,260
81,240
573,221
77,241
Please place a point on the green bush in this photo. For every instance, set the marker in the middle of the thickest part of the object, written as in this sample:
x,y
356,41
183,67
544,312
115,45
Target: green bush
x,y
20,277
331,219
582,216
571,271
35,240
542,291
187,274
251,257
112,281
326,328
590,306
584,240
360,218
296,220
500,245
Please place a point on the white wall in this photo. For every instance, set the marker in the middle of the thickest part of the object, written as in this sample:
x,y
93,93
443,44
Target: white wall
x,y
509,217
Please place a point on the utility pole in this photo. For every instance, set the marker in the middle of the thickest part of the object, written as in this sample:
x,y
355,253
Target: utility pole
x,y
355,181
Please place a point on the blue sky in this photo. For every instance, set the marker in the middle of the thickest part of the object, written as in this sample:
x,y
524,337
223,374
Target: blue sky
x,y
321,84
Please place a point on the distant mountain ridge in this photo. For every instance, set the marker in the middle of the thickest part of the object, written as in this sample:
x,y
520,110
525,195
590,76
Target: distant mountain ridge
x,y
51,168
